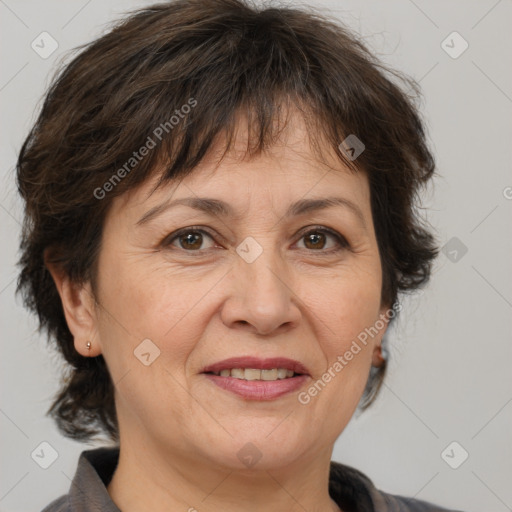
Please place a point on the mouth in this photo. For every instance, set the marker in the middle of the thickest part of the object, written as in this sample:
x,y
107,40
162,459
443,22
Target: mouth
x,y
256,374
258,379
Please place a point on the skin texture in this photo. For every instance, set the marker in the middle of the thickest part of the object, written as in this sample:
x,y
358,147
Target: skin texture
x,y
180,434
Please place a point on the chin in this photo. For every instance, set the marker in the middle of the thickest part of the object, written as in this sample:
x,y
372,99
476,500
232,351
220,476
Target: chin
x,y
259,451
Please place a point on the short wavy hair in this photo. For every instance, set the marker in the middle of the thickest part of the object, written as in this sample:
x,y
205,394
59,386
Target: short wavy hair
x,y
227,57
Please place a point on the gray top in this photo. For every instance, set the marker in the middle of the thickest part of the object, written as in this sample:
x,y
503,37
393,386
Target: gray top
x,y
348,487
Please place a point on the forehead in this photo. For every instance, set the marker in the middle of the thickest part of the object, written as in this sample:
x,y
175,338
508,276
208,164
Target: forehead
x,y
295,165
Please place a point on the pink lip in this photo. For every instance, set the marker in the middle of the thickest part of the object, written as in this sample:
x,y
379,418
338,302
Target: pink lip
x,y
257,363
258,389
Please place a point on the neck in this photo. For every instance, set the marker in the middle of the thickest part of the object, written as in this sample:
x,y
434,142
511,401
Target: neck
x,y
147,479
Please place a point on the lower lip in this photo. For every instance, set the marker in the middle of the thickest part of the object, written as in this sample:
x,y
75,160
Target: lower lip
x,y
258,389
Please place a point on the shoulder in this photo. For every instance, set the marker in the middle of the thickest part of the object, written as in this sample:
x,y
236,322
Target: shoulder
x,y
59,505
88,491
352,489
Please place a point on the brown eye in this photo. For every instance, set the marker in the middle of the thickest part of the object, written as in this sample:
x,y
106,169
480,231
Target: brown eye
x,y
189,240
192,240
317,239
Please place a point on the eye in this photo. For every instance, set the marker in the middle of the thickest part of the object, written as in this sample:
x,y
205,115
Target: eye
x,y
189,239
316,240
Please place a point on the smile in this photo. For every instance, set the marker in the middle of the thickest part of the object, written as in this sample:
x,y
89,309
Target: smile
x,y
256,374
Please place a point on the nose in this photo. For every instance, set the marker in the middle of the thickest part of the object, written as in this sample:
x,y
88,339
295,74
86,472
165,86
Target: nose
x,y
263,300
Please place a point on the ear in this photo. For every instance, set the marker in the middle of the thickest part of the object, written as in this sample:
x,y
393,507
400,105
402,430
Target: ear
x,y
78,303
381,324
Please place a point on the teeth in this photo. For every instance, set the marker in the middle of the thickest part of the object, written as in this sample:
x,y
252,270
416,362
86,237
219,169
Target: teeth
x,y
269,374
255,374
251,374
238,373
282,373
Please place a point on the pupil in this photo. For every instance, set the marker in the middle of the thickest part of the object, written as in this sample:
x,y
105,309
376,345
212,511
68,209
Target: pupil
x,y
189,240
315,238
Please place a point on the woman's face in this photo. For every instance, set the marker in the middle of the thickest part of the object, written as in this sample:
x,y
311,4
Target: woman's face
x,y
262,277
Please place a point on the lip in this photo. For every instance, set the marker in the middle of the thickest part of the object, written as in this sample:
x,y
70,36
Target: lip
x,y
258,364
258,389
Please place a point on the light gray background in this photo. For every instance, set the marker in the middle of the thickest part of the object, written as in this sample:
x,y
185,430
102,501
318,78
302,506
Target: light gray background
x,y
450,376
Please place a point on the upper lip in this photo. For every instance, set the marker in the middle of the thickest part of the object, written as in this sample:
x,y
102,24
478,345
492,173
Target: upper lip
x,y
257,363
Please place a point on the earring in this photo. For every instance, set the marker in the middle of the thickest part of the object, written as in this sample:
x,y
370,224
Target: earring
x,y
88,345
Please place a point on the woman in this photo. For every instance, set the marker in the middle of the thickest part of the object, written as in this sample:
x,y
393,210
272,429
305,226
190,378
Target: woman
x,y
219,220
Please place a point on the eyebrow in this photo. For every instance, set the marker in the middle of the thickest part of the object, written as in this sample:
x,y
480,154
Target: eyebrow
x,y
220,208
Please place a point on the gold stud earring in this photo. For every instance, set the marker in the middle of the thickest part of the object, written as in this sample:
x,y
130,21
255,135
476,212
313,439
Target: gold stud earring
x,y
88,345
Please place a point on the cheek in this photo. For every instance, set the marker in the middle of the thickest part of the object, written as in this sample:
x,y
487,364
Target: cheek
x,y
138,304
347,306
347,310
145,301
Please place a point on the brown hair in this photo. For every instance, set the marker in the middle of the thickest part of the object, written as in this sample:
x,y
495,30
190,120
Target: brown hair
x,y
219,57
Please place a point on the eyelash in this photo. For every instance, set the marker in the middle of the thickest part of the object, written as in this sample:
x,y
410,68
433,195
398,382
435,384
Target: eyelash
x,y
342,241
